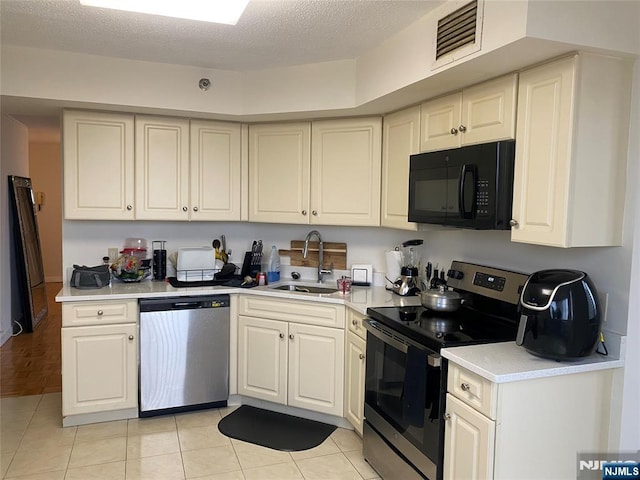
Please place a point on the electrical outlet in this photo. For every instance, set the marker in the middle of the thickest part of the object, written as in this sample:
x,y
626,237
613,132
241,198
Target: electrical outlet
x,y
113,254
604,304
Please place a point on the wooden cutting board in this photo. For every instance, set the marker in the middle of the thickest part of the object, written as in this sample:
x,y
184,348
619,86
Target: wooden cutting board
x,y
334,253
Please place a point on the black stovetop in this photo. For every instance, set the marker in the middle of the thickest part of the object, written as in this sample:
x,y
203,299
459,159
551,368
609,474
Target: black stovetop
x,y
436,330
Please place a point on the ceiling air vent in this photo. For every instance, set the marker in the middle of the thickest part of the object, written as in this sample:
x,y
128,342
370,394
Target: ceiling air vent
x,y
457,29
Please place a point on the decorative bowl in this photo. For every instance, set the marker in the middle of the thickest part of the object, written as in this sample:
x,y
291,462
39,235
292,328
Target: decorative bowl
x,y
132,276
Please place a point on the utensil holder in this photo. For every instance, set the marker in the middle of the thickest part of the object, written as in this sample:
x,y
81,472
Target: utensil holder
x,y
159,259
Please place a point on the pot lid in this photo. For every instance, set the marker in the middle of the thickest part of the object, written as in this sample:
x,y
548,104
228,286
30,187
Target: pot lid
x,y
442,292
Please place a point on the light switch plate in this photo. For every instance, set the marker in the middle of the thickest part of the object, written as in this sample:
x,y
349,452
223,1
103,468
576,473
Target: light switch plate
x,y
361,273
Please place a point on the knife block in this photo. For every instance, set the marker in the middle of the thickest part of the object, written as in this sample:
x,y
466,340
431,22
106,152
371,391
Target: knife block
x,y
251,265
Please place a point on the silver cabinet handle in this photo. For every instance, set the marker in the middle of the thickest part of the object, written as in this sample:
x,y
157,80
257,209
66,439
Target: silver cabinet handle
x,y
291,336
304,212
100,313
514,223
129,207
361,356
184,209
130,337
454,131
282,335
314,212
195,209
354,322
465,387
447,416
462,128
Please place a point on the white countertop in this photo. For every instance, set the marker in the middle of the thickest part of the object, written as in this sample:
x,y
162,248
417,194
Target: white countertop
x,y
507,362
359,299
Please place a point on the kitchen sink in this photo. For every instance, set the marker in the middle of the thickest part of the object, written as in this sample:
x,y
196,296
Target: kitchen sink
x,y
305,289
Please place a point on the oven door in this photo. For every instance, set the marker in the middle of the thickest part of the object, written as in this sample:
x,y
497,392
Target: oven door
x,y
404,396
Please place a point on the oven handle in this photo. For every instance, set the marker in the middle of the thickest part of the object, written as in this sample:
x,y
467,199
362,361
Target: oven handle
x,y
398,341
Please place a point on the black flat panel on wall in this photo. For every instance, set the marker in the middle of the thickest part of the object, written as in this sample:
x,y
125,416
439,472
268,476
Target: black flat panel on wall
x,y
30,272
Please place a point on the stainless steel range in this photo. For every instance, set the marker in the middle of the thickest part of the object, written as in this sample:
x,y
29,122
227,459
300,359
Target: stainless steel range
x,y
405,382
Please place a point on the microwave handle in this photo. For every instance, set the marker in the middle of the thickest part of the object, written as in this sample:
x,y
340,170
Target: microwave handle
x,y
473,170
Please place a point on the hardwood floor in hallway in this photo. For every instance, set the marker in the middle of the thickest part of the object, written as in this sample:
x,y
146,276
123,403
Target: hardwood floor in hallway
x,y
30,363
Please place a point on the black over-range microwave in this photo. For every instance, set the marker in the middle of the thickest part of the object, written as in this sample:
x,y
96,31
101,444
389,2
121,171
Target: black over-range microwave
x,y
467,187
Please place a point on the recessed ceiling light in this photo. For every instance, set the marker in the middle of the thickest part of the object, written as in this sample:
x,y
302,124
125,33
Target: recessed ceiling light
x,y
216,11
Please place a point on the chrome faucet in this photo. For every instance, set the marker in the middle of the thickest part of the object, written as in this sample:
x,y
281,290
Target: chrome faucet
x,y
305,251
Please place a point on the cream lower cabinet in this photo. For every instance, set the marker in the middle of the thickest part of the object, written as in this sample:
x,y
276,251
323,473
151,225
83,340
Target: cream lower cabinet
x,y
482,113
571,150
523,429
355,355
291,363
98,158
99,357
400,139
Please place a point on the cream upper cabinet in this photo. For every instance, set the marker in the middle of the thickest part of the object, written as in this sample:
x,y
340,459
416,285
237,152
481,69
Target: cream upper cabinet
x,y
571,149
345,171
215,171
279,172
98,152
479,114
400,139
162,168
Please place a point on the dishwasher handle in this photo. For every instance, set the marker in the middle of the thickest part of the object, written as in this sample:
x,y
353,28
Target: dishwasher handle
x,y
183,303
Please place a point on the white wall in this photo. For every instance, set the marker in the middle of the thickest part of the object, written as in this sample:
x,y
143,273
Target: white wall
x,y
630,414
14,149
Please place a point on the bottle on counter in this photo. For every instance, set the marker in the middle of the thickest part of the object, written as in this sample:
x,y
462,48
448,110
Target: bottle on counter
x,y
273,271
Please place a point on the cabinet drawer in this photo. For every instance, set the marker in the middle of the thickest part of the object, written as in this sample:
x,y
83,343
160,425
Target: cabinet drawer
x,y
354,322
76,314
313,313
473,390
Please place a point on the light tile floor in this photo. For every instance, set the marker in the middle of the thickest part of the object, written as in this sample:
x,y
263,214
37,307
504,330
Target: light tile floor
x,y
34,446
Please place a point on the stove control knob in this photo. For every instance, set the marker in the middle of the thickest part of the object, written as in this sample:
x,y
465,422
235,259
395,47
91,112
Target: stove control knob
x,y
455,274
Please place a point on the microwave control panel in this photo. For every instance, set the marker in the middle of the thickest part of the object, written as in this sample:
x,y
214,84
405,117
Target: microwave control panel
x,y
482,197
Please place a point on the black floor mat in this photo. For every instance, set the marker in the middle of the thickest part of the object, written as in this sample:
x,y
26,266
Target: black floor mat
x,y
274,430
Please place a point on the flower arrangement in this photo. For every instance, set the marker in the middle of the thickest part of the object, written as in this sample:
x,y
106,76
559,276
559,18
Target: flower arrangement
x,y
128,268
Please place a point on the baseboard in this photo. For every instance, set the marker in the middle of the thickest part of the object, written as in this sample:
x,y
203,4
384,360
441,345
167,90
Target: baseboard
x,y
4,336
109,416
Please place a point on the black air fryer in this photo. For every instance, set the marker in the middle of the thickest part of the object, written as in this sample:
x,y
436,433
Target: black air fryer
x,y
559,315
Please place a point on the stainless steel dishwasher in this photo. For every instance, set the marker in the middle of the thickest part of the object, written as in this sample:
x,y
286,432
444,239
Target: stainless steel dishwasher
x,y
184,354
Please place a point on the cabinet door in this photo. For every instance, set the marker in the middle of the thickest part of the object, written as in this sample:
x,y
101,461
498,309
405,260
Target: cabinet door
x,y
439,122
316,368
468,443
99,368
262,359
489,111
354,382
98,166
401,138
162,168
346,157
279,172
215,170
543,144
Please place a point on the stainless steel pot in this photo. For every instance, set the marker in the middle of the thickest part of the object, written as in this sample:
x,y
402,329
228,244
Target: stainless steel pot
x,y
441,300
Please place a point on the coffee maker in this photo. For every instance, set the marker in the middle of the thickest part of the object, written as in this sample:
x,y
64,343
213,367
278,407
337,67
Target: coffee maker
x,y
408,282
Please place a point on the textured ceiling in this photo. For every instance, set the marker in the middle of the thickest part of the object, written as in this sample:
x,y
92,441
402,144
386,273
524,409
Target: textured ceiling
x,y
271,33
